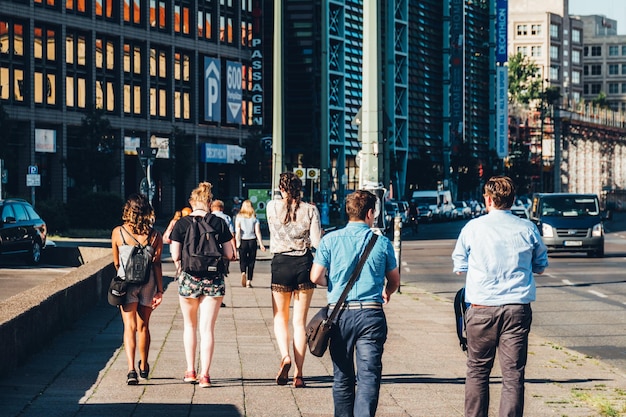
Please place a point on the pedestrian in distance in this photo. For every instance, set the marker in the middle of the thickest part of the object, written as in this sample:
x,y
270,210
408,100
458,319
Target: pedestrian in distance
x,y
200,297
140,300
177,215
361,330
168,230
295,228
499,253
217,208
248,239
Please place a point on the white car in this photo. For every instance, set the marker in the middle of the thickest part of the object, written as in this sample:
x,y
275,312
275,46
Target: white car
x,y
463,210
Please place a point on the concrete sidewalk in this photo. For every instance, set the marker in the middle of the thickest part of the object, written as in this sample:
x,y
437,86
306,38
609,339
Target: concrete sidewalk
x,y
83,372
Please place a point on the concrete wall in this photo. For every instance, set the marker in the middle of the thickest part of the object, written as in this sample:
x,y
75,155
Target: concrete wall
x,y
29,320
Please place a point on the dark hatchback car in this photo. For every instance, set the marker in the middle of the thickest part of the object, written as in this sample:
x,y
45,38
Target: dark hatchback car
x,y
22,231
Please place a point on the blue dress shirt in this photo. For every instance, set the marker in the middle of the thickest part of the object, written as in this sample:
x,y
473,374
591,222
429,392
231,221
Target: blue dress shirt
x,y
500,252
338,252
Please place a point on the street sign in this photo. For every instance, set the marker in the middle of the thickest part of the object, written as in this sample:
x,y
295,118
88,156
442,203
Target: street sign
x,y
33,169
312,173
147,155
33,180
299,172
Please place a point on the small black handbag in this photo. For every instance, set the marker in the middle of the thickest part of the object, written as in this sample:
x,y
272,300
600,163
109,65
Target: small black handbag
x,y
320,326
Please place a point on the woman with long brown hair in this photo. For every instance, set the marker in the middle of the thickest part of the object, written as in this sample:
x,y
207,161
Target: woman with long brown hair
x,y
140,300
294,229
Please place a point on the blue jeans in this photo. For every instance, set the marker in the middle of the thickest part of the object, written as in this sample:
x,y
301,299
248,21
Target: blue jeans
x,y
505,328
363,331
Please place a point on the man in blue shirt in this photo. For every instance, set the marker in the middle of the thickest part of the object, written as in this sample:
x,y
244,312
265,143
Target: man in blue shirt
x,y
500,252
362,325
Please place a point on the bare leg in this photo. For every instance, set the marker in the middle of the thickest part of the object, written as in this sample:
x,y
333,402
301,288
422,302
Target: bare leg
x,y
301,303
280,305
129,317
189,308
143,334
209,308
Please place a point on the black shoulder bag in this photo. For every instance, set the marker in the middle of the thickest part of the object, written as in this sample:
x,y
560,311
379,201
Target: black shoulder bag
x,y
319,327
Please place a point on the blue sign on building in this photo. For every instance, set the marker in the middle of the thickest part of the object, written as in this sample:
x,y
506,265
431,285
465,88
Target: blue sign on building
x,y
501,31
212,101
233,92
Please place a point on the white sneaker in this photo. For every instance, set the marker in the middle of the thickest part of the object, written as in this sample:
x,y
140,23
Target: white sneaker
x,y
244,278
249,284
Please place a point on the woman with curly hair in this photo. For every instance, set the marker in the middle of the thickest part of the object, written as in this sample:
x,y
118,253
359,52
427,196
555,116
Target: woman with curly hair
x,y
199,294
294,229
140,300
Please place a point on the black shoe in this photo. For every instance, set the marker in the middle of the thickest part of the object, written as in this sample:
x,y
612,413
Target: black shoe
x,y
223,305
131,378
144,373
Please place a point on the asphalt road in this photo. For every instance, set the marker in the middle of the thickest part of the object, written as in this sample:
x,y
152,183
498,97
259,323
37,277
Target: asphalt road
x,y
581,301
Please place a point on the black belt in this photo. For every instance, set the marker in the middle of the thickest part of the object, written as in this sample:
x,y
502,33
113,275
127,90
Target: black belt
x,y
355,305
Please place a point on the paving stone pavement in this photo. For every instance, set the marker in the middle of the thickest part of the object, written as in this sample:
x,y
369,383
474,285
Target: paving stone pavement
x,y
83,371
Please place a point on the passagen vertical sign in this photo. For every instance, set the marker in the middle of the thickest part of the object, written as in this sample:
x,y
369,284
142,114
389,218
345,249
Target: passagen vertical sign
x,y
256,61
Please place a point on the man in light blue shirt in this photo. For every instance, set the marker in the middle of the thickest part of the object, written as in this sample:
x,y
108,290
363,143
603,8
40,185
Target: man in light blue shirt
x,y
499,252
362,326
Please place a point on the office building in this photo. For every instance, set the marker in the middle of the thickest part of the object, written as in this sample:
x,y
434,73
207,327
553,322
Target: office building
x,y
85,83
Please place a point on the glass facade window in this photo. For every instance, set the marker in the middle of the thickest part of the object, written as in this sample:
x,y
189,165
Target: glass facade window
x,y
613,88
596,51
613,50
132,12
554,73
596,69
555,31
76,79
523,50
105,9
576,38
596,88
535,30
575,77
535,51
522,30
76,6
554,52
182,18
613,69
575,57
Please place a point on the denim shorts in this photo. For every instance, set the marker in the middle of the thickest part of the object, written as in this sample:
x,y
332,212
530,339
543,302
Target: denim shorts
x,y
194,287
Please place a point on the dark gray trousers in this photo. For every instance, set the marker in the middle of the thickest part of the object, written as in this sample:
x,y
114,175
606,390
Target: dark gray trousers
x,y
505,328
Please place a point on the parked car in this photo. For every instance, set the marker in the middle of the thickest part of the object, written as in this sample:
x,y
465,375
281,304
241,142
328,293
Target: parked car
x,y
403,208
463,210
391,211
22,231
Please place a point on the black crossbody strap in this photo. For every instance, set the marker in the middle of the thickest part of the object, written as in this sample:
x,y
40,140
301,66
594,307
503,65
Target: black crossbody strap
x,y
355,275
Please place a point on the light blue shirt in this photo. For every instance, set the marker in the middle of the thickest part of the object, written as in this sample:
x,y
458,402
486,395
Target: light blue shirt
x,y
500,252
338,252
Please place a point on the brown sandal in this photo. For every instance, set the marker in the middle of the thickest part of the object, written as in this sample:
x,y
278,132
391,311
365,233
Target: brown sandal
x,y
283,373
298,382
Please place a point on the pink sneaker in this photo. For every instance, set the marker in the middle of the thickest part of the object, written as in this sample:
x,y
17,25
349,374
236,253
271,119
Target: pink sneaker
x,y
190,376
205,382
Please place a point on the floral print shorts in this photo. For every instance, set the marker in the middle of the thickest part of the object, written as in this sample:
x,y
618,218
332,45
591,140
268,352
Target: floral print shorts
x,y
194,287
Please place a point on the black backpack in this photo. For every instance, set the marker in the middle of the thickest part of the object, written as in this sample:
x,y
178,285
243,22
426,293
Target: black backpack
x,y
460,307
201,253
139,264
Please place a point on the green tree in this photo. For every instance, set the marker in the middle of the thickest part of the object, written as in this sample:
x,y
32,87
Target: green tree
x,y
525,83
90,161
601,101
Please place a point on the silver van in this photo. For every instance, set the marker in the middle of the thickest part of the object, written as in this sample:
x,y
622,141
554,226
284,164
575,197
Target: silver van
x,y
569,222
